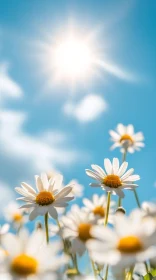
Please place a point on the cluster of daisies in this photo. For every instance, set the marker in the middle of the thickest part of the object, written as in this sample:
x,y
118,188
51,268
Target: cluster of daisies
x,y
95,241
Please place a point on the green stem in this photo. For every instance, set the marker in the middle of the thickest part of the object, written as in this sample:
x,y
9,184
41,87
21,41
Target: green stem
x,y
137,198
46,227
106,274
124,155
73,257
146,266
119,202
106,221
107,209
129,275
75,263
64,244
94,269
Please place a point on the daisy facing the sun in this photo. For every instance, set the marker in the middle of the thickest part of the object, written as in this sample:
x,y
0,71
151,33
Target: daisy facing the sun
x,y
47,197
76,227
29,257
126,139
114,179
97,208
131,241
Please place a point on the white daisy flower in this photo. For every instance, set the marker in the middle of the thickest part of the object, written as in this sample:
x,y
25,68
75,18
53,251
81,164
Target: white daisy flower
x,y
125,138
97,207
28,256
47,198
76,227
131,241
114,178
15,215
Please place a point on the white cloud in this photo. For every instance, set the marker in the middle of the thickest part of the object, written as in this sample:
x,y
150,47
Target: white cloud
x,y
39,153
8,87
88,109
7,195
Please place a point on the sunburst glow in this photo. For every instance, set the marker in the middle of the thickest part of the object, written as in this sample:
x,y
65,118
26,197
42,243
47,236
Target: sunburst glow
x,y
73,58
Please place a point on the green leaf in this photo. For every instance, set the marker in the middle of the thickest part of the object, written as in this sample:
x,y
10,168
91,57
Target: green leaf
x,y
149,277
153,272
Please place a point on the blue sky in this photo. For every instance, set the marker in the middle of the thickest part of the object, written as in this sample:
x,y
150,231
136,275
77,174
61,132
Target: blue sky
x,y
37,132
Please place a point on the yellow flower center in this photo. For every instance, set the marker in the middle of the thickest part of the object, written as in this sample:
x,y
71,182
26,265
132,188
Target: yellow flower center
x,y
17,217
100,211
45,198
84,232
112,181
129,244
126,137
24,265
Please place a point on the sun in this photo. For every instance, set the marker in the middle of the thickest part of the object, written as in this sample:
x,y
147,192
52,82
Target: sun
x,y
73,58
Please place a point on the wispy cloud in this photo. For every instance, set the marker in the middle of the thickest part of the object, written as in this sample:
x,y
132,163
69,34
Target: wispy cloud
x,y
117,71
39,152
7,195
8,87
88,109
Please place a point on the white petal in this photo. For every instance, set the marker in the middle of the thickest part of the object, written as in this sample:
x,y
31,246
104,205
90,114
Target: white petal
x,y
132,178
34,242
23,192
121,129
30,205
130,129
122,168
39,184
114,135
28,188
4,229
11,244
45,182
119,192
127,174
95,184
108,166
64,192
98,169
138,136
33,214
139,144
53,212
88,203
93,175
115,165
115,145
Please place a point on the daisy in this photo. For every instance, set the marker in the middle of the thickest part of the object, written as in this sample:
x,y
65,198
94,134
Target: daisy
x,y
114,178
131,241
15,215
76,227
47,198
125,138
28,256
97,207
